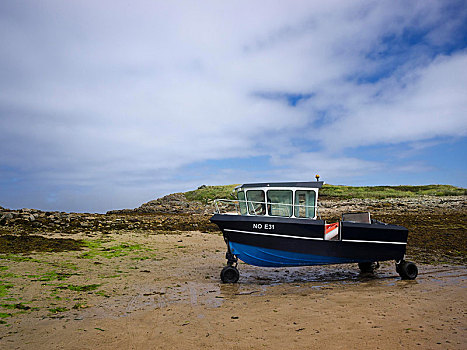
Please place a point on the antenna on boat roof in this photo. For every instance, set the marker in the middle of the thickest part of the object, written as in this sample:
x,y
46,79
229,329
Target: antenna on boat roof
x,y
317,177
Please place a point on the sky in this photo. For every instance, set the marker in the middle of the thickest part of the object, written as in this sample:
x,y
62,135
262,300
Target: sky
x,y
109,104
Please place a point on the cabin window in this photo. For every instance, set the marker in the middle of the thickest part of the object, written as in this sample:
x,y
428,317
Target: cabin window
x,y
241,202
305,204
280,203
256,202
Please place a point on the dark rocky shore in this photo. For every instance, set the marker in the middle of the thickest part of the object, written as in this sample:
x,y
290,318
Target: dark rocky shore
x,y
31,221
437,225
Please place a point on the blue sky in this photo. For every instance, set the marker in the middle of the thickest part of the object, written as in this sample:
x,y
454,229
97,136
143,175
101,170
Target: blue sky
x,y
109,104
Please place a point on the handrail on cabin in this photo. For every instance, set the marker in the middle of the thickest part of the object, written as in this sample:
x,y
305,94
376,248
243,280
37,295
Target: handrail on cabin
x,y
251,210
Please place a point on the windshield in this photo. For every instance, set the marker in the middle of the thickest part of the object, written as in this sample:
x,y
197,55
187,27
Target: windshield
x,y
280,202
256,202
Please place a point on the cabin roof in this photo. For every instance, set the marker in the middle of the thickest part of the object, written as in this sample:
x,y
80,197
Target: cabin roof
x,y
309,184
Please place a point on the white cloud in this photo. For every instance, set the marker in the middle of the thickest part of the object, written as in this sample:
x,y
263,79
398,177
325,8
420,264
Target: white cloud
x,y
307,164
430,102
97,93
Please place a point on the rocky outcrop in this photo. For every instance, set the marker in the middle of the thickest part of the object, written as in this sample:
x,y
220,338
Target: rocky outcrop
x,y
336,207
175,213
32,220
175,203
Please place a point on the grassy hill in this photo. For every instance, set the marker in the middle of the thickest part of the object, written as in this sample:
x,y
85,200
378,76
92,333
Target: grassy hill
x,y
390,191
205,194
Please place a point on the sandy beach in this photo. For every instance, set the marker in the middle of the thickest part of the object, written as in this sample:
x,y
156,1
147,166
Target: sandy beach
x,y
163,292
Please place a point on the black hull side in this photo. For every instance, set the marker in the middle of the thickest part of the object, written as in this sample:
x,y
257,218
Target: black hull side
x,y
373,232
360,242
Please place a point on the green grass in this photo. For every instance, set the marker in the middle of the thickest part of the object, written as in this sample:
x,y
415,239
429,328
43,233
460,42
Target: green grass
x,y
209,193
390,191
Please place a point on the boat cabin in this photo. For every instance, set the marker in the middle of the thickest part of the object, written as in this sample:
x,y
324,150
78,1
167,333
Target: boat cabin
x,y
291,200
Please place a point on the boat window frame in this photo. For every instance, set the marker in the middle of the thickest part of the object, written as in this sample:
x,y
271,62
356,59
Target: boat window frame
x,y
262,204
242,204
270,204
297,205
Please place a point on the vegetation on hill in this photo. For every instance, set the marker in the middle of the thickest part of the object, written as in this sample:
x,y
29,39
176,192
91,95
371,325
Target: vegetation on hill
x,y
390,191
205,194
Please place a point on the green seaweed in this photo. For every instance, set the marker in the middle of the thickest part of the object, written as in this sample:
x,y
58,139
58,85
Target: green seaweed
x,y
4,286
18,258
102,294
51,276
18,306
79,306
26,243
57,310
9,275
97,248
85,288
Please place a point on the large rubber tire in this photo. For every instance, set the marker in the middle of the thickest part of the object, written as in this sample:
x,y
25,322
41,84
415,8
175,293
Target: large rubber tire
x,y
230,274
368,267
408,270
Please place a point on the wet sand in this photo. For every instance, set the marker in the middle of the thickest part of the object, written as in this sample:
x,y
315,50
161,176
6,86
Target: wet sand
x,y
170,297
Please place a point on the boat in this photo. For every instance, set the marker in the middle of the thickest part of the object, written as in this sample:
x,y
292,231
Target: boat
x,y
277,224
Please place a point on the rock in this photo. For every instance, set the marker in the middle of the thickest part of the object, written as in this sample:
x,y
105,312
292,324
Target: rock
x,y
6,217
175,203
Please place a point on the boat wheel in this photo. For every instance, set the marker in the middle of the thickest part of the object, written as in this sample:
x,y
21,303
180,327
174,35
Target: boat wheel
x,y
368,267
407,270
229,274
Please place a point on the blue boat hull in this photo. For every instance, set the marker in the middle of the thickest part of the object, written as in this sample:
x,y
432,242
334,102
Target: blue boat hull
x,y
266,257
